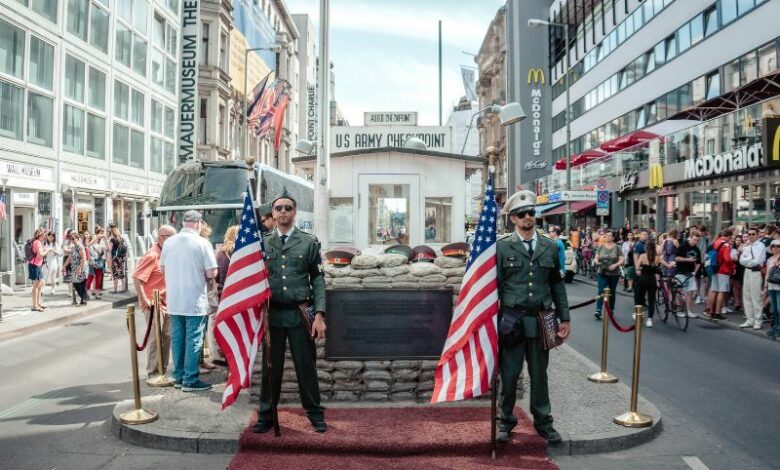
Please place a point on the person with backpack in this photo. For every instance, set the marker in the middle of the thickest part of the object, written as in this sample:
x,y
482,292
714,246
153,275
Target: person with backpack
x,y
118,255
35,252
720,266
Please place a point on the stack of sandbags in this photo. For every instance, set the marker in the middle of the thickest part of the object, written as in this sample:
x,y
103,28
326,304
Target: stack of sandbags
x,y
428,274
377,379
425,385
453,269
405,377
336,272
347,382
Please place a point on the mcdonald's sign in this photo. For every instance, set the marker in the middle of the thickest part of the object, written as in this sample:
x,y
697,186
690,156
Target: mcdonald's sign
x,y
771,142
536,75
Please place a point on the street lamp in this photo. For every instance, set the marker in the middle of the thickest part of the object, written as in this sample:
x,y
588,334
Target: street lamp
x,y
415,143
508,114
245,141
533,23
306,147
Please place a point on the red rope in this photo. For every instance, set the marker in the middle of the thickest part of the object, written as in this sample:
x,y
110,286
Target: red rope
x,y
614,322
142,346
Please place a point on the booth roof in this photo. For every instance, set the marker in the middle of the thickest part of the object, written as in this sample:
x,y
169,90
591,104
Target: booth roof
x,y
425,153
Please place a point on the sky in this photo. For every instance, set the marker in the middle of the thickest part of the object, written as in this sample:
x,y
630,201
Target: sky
x,y
385,52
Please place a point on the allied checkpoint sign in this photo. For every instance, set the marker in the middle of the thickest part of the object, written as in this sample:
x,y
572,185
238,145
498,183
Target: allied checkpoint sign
x,y
188,87
387,324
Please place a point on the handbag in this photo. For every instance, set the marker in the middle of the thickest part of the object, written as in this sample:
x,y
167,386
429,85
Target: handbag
x,y
774,275
549,325
306,309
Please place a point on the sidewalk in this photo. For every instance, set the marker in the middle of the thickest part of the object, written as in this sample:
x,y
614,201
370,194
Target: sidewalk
x,y
18,319
583,411
732,321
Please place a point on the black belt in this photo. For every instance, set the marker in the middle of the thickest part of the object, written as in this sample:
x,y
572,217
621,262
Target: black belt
x,y
292,305
524,310
757,268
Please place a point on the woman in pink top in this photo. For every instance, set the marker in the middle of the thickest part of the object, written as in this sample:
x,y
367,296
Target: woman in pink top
x,y
35,269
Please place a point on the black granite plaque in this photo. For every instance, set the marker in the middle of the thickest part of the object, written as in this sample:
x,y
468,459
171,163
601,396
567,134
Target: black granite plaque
x,y
386,324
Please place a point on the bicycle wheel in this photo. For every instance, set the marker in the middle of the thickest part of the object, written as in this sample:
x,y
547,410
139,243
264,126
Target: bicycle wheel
x,y
662,302
680,310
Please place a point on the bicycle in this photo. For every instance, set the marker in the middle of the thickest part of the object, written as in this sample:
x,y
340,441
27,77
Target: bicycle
x,y
671,294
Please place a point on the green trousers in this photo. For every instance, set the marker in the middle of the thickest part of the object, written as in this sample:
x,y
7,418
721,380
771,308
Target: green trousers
x,y
512,358
304,356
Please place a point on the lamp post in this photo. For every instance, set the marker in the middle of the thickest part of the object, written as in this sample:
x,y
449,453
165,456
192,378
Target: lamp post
x,y
508,114
565,26
245,141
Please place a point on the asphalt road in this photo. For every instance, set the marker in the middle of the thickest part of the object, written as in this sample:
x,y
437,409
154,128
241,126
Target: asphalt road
x,y
57,390
718,391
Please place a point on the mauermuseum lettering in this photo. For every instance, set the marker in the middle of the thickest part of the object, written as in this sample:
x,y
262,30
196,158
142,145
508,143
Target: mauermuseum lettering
x,y
740,159
189,80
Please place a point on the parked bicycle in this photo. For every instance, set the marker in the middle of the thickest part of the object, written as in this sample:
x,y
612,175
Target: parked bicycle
x,y
671,296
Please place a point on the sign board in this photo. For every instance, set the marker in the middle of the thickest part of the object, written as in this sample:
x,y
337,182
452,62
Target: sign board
x,y
749,156
343,139
83,180
24,198
188,86
400,324
311,113
127,186
602,202
390,118
563,196
601,183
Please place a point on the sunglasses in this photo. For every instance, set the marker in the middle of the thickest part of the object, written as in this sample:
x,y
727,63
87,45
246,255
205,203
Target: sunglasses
x,y
752,234
523,214
286,207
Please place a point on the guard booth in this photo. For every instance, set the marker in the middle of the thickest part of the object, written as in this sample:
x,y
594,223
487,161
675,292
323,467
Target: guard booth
x,y
391,195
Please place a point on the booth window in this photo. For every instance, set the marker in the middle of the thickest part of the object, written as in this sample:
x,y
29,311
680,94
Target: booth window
x,y
341,220
438,215
388,214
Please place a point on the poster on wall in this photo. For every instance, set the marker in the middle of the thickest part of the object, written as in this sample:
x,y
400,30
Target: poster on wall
x,y
341,220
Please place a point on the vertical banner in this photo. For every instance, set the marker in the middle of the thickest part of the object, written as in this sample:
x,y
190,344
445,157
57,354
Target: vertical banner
x,y
469,83
188,87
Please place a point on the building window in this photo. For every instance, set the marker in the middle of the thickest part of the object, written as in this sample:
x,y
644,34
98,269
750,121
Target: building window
x,y
158,65
713,85
684,38
130,34
748,65
223,54
731,75
139,55
164,41
96,136
11,50
728,11
137,149
45,8
155,155
78,18
97,89
73,129
11,110
438,219
123,45
744,6
204,44
74,79
41,63
170,122
203,122
121,144
767,59
137,108
121,100
173,5
222,128
157,117
40,111
697,29
388,214
671,48
98,30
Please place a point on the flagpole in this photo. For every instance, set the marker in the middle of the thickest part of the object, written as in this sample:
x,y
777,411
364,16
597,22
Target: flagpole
x,y
494,418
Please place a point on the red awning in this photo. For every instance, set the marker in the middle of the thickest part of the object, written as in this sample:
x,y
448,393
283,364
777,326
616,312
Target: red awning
x,y
628,140
581,159
576,206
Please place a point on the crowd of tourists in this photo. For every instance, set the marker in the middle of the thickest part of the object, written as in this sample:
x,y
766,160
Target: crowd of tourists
x,y
732,271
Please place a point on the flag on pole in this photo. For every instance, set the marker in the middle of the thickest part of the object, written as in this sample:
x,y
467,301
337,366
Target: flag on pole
x,y
3,210
469,83
239,327
260,113
265,120
257,92
279,119
470,351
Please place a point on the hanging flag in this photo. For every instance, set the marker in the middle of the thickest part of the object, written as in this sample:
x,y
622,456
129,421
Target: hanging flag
x,y
470,351
469,83
266,102
266,119
3,210
239,327
257,92
279,119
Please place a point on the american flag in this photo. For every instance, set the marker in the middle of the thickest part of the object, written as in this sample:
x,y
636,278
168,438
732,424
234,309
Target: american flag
x,y
470,351
3,212
239,326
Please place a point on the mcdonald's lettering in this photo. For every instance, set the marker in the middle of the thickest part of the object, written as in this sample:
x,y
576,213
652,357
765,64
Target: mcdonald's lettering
x,y
536,75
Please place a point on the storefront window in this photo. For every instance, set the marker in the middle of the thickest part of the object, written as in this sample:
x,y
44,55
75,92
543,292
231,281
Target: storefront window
x,y
438,216
759,203
100,212
127,213
341,220
731,75
388,214
745,213
767,59
117,211
672,212
748,68
68,211
726,207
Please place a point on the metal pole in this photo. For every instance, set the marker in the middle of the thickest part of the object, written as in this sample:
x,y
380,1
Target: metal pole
x,y
245,140
137,415
568,127
321,174
440,103
603,377
161,380
634,419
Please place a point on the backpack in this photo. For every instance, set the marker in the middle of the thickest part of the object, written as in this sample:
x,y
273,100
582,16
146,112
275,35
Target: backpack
x,y
121,249
29,254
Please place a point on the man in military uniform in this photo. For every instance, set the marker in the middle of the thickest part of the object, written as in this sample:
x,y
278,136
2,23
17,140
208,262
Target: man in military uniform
x,y
295,276
529,280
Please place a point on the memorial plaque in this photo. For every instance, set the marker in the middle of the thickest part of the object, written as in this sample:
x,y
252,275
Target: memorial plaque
x,y
387,324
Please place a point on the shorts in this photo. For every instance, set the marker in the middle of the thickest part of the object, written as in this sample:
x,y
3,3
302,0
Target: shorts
x,y
720,283
34,272
689,285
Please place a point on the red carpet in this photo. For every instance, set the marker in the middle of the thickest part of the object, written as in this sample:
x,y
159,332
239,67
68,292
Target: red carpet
x,y
391,438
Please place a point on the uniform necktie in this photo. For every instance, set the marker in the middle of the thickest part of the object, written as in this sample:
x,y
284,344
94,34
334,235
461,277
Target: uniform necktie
x,y
284,239
529,246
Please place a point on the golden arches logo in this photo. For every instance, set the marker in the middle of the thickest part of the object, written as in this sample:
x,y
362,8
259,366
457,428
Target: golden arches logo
x,y
771,141
656,176
776,145
537,75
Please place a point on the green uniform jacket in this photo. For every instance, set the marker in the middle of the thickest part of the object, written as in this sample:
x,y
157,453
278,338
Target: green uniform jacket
x,y
295,276
529,282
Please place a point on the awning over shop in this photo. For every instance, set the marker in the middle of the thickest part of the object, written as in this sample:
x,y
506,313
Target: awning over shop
x,y
541,209
628,140
576,206
581,159
756,91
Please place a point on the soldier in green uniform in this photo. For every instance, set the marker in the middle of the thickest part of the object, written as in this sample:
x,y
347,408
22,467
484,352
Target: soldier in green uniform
x,y
295,275
529,280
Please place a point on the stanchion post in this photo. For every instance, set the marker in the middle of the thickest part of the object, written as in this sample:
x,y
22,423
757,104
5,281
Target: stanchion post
x,y
634,419
604,377
157,317
137,415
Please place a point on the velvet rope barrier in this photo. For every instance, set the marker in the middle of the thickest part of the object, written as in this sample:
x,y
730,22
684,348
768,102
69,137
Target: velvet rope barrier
x,y
586,303
142,346
614,322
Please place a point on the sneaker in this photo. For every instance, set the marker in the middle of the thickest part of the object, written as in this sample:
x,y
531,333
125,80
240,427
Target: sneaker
x,y
747,324
649,323
757,327
692,315
176,384
706,314
680,314
198,386
699,300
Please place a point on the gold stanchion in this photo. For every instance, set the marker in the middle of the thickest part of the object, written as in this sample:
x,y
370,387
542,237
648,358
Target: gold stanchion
x,y
603,377
157,317
138,415
634,419
206,350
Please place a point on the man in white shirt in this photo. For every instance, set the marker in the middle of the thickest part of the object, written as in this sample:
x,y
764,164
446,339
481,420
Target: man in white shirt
x,y
752,258
187,260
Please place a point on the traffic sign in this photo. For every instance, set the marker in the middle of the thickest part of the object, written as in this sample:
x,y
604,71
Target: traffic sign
x,y
601,183
602,202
